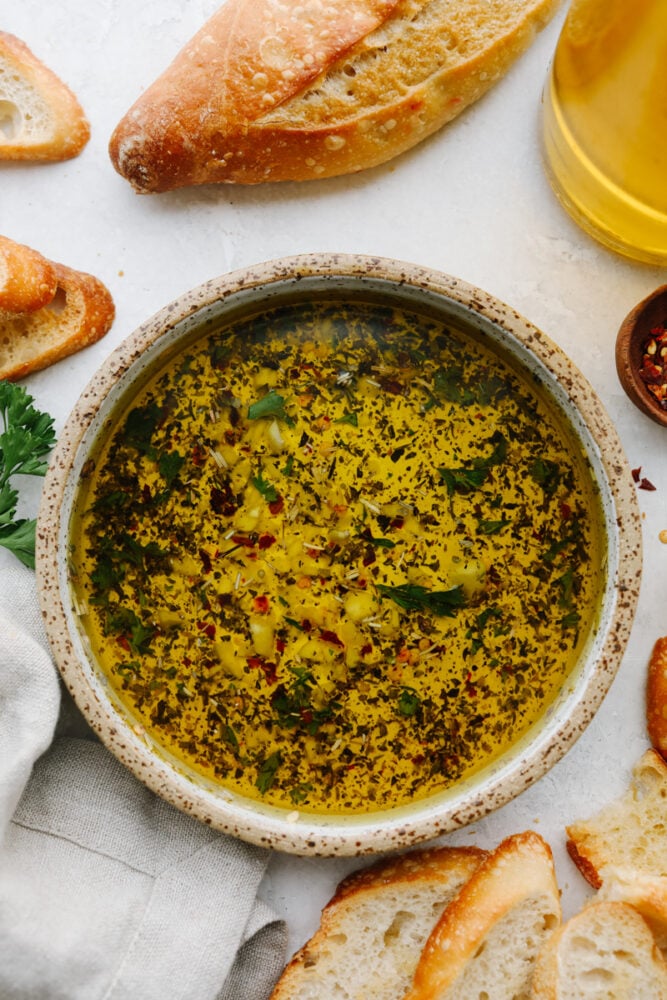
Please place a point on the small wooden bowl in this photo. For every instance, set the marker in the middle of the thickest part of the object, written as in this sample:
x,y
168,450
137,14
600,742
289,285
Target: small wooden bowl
x,y
633,334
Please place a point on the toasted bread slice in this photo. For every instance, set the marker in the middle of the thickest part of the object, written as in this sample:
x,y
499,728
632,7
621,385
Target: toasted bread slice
x,y
27,280
656,697
80,312
40,118
630,833
292,91
486,942
373,929
605,952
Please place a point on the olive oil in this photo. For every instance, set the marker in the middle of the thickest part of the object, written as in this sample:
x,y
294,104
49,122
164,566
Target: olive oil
x,y
605,123
338,557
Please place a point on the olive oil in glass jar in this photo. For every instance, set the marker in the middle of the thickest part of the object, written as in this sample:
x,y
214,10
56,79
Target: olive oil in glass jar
x,y
605,123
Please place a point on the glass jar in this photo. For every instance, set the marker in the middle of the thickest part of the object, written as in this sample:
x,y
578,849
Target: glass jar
x,y
604,122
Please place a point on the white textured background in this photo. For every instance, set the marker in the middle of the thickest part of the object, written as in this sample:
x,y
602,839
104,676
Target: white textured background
x,y
472,201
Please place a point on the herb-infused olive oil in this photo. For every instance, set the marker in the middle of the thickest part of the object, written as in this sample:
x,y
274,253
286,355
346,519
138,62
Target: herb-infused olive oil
x,y
337,557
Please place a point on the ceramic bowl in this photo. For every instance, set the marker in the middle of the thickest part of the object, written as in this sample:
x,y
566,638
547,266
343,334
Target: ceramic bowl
x,y
413,288
634,334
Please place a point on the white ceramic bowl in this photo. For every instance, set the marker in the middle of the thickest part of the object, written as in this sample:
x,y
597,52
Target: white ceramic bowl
x,y
413,288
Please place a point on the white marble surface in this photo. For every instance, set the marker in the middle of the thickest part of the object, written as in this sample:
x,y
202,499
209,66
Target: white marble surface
x,y
471,201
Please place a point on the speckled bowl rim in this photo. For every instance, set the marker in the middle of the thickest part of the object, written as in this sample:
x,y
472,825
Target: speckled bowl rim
x,y
303,833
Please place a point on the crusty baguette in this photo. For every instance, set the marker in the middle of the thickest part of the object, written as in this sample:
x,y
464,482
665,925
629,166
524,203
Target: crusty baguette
x,y
27,280
79,313
630,833
271,91
486,941
656,697
373,929
40,118
605,952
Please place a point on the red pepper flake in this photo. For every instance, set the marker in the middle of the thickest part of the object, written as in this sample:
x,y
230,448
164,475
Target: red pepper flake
x,y
268,667
243,540
198,454
306,625
642,482
265,541
208,628
653,370
223,501
205,561
328,636
369,556
366,649
146,494
280,645
123,642
565,511
261,604
275,506
398,522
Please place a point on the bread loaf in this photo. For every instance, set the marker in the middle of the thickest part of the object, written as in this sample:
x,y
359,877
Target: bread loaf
x,y
40,118
372,931
272,90
606,952
49,311
656,697
486,942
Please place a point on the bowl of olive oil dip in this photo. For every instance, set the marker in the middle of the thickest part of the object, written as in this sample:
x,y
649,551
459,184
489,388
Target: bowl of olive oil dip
x,y
338,554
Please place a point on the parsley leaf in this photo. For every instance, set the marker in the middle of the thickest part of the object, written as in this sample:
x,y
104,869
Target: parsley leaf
x,y
263,486
27,437
413,597
471,477
408,701
271,405
267,772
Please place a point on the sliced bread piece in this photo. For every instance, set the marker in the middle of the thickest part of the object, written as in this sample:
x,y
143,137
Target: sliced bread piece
x,y
27,280
80,312
630,833
622,851
486,942
656,697
605,952
646,893
373,929
40,118
270,91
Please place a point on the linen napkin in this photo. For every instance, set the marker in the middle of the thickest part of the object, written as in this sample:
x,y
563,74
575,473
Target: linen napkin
x,y
106,891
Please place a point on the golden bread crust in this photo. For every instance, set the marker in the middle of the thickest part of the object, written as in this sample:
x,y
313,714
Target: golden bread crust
x,y
257,97
656,697
27,279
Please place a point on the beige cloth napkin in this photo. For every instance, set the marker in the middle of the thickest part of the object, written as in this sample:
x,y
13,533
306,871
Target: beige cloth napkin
x,y
107,892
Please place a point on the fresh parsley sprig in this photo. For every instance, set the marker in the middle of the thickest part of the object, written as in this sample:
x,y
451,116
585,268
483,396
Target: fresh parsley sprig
x,y
26,439
413,597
